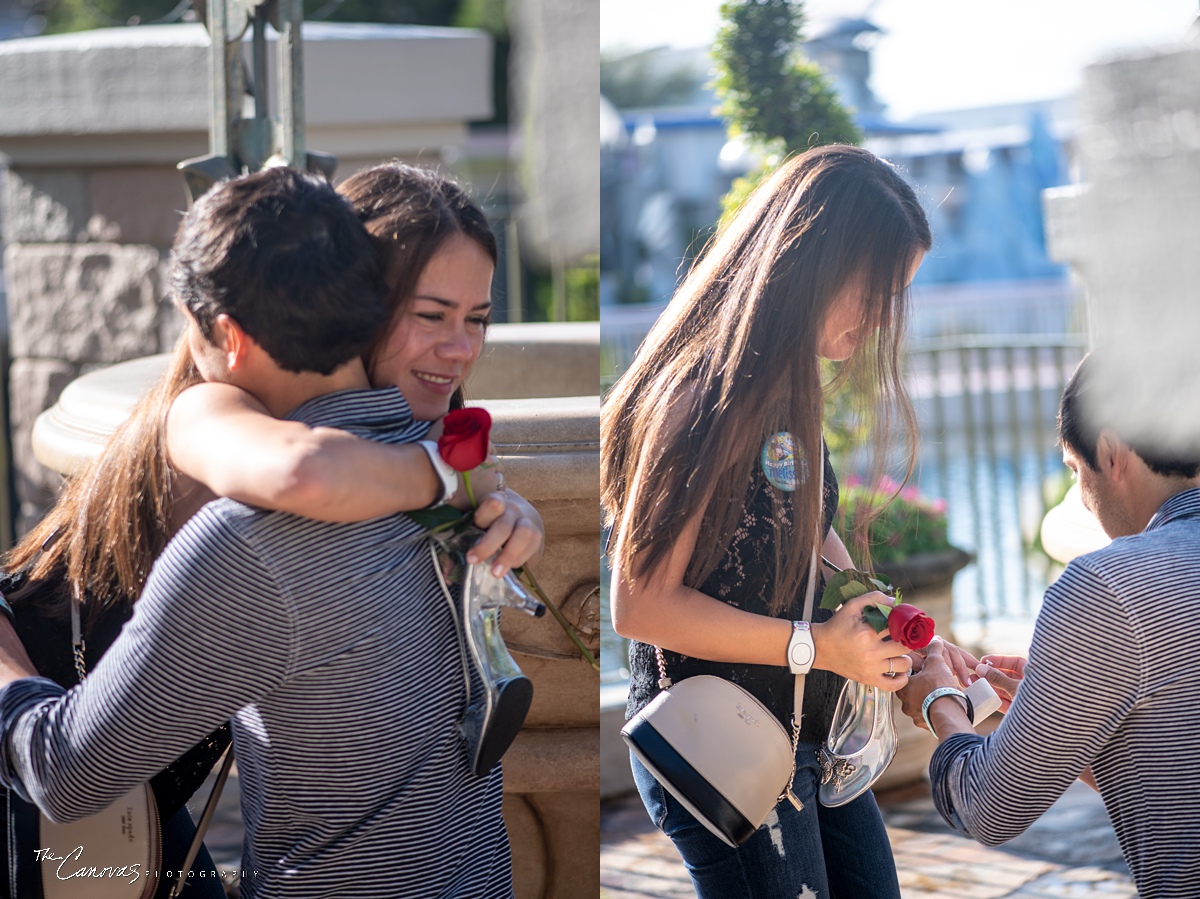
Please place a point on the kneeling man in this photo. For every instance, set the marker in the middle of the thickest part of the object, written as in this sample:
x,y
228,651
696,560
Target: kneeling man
x,y
1110,691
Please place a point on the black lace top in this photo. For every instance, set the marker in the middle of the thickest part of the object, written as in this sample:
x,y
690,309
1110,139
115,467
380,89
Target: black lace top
x,y
742,579
46,636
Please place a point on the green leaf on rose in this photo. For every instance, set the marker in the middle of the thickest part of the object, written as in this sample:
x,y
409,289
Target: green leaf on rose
x,y
852,591
440,519
849,583
877,617
832,597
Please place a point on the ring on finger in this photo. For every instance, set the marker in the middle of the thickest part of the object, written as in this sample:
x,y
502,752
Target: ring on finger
x,y
890,672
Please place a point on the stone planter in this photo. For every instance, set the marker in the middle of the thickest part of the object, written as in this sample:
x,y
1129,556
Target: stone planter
x,y
926,581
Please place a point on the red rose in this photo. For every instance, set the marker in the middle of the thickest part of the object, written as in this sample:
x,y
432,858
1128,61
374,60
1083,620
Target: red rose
x,y
910,626
464,440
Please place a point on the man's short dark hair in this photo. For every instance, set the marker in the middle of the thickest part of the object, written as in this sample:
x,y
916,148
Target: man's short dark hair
x,y
1079,426
286,257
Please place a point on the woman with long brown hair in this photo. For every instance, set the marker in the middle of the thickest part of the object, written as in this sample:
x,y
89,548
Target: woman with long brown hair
x,y
714,539
101,537
438,254
181,447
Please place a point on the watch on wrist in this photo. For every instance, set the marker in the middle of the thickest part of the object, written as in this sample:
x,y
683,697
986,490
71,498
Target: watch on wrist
x,y
444,471
800,649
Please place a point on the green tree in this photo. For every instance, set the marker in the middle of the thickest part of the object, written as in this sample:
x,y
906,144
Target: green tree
x,y
774,99
780,104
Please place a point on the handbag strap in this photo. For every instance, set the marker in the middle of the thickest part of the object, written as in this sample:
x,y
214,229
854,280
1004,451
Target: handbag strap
x,y
210,808
810,594
77,646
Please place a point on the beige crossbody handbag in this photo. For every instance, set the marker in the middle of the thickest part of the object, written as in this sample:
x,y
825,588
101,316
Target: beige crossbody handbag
x,y
717,749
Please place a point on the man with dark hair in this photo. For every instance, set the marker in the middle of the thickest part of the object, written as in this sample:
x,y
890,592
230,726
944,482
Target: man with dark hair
x,y
1108,693
331,646
1079,415
283,255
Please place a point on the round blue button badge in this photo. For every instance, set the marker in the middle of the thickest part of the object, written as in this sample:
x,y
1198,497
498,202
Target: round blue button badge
x,y
783,462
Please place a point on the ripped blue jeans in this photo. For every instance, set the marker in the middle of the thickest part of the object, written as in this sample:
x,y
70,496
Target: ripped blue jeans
x,y
816,853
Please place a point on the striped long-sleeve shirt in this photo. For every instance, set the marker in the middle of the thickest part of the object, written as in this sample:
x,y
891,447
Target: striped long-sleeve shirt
x,y
335,653
1113,681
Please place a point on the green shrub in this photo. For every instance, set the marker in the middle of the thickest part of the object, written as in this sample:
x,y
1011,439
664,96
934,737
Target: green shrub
x,y
909,525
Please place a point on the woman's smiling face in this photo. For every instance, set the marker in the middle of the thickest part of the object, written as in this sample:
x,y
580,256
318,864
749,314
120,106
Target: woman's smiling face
x,y
435,341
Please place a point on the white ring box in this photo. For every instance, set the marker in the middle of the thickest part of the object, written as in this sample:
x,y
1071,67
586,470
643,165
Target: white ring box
x,y
984,699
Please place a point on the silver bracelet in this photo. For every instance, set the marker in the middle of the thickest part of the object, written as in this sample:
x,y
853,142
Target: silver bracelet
x,y
938,694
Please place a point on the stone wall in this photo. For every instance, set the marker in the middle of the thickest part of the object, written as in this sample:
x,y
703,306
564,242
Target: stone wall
x,y
85,262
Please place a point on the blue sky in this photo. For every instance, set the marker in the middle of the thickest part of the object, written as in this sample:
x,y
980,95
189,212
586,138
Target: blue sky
x,y
945,54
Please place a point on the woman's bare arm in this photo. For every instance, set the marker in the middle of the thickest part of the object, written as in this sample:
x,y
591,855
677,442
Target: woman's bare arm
x,y
223,438
657,607
226,440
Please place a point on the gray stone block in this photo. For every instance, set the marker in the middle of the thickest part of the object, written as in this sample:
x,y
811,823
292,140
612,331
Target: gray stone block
x,y
83,302
45,205
136,205
34,386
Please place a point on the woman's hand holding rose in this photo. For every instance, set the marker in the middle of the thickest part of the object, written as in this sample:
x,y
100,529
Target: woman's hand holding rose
x,y
847,645
512,529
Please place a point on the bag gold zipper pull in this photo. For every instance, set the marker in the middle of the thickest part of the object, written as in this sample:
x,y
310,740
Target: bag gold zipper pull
x,y
794,800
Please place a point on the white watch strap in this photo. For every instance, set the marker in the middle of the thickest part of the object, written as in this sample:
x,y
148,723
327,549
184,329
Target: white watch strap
x,y
445,471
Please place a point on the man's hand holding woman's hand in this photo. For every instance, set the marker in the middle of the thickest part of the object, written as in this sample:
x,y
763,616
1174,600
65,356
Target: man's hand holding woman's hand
x,y
1005,674
943,664
932,668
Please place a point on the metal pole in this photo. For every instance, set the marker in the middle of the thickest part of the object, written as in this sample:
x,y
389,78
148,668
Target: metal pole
x,y
291,83
261,106
220,131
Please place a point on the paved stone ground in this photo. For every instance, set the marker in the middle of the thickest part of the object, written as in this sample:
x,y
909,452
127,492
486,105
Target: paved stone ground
x,y
1071,852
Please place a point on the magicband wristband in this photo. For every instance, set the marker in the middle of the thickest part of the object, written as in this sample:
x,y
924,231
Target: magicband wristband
x,y
443,469
938,694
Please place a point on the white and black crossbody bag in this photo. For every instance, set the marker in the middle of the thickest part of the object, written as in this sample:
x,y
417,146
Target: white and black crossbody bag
x,y
119,849
717,749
